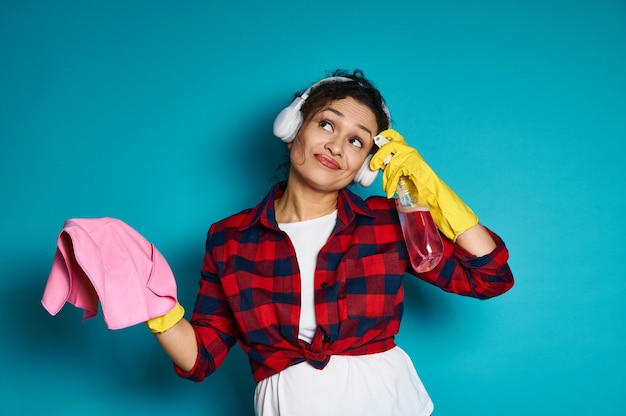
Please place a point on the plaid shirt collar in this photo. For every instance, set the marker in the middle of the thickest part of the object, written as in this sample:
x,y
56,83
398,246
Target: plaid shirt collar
x,y
348,206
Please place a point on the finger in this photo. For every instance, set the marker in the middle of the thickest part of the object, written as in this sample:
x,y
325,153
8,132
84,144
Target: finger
x,y
384,154
389,186
379,158
392,174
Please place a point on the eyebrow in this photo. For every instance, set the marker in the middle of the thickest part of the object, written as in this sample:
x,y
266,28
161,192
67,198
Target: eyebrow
x,y
340,114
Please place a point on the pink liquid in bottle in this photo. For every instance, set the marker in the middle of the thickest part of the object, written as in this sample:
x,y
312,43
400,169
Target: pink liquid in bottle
x,y
421,236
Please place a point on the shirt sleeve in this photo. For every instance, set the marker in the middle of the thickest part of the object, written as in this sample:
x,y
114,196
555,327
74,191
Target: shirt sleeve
x,y
212,321
463,273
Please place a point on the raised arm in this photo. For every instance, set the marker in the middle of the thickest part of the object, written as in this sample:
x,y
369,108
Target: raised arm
x,y
475,259
476,240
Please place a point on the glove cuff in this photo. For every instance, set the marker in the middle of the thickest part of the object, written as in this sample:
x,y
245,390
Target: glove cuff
x,y
163,323
451,215
462,225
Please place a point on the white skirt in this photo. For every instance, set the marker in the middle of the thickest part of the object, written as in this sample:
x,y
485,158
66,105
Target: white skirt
x,y
385,383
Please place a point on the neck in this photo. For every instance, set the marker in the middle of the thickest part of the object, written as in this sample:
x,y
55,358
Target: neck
x,y
301,205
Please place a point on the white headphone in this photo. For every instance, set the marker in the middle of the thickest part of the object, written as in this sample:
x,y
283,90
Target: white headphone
x,y
289,120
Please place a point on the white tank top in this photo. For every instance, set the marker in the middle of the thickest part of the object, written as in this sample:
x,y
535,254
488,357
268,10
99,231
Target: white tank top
x,y
308,238
384,383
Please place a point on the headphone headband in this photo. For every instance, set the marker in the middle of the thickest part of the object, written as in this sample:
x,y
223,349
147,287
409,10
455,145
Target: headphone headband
x,y
306,93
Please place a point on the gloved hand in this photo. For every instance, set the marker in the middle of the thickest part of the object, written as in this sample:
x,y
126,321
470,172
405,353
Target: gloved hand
x,y
451,215
163,323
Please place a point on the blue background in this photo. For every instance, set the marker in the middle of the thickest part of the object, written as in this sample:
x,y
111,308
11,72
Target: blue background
x,y
160,113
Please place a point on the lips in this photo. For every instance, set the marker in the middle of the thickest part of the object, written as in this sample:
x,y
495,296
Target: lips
x,y
328,161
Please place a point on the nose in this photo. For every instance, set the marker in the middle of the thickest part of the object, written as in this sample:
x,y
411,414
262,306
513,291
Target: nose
x,y
333,145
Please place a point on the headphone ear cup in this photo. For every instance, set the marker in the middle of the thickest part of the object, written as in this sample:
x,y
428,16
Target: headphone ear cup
x,y
288,121
365,176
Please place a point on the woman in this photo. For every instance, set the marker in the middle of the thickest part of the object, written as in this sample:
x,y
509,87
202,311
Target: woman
x,y
309,282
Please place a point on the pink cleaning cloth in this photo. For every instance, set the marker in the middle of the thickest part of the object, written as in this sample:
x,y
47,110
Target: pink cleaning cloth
x,y
105,259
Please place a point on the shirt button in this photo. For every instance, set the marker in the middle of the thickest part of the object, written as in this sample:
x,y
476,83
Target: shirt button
x,y
323,285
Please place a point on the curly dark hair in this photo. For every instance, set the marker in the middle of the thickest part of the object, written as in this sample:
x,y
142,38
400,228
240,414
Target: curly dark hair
x,y
362,90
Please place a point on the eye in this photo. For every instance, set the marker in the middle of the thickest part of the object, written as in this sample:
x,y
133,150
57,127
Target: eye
x,y
356,142
326,125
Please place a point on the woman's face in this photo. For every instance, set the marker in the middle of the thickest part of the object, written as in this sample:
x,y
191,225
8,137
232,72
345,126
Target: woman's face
x,y
332,144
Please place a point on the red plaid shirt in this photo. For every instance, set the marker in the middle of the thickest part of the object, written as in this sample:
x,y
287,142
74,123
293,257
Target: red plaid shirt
x,y
250,286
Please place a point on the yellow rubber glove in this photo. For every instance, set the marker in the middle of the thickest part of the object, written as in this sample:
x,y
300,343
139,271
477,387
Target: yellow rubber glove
x,y
451,215
163,323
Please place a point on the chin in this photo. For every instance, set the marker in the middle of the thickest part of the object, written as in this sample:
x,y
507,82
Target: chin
x,y
322,181
332,186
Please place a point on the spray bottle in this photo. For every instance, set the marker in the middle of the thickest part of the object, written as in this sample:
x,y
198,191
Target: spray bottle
x,y
421,236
